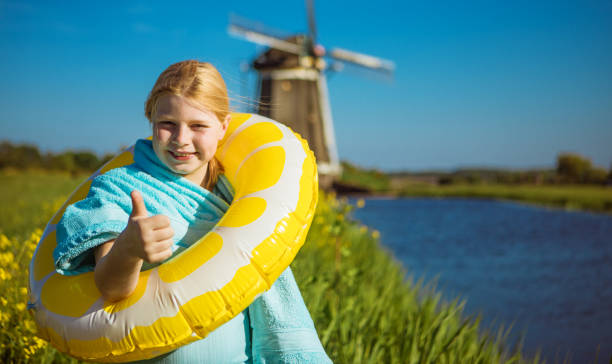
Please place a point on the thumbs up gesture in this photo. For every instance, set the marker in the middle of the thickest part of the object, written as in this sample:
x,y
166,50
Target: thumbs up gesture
x,y
146,237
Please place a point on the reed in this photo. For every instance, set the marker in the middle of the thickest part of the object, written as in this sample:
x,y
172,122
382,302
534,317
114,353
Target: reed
x,y
367,311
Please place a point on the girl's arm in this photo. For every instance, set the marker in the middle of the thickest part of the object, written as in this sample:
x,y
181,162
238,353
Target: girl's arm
x,y
118,262
116,274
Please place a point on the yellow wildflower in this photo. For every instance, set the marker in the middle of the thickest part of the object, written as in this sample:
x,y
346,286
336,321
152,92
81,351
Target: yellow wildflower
x,y
6,258
36,234
23,291
29,325
4,275
28,352
3,301
360,203
20,306
39,342
375,234
4,242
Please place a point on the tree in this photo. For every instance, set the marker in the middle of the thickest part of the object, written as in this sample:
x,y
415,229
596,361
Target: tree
x,y
86,161
573,168
597,176
64,162
19,156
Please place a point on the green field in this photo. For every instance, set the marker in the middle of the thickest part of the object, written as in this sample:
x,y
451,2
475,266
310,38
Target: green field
x,y
570,197
589,197
364,308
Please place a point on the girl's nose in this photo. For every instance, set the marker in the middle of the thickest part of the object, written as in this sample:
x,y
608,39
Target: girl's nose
x,y
181,135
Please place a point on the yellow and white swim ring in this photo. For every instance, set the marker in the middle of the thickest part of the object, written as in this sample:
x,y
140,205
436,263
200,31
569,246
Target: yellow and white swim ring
x,y
274,176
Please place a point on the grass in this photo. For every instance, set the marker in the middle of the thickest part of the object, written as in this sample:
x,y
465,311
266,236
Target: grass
x,y
571,197
371,180
29,199
364,308
367,312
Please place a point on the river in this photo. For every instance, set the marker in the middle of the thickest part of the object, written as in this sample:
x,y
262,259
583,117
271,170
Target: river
x,y
548,270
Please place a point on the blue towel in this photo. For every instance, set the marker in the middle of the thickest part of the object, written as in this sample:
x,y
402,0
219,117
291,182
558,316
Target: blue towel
x,y
282,329
104,213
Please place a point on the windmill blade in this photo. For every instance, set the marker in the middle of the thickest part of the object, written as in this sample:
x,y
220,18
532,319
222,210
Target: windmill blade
x,y
362,60
258,36
263,39
312,27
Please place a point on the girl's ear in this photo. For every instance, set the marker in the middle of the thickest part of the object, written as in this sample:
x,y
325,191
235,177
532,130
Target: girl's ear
x,y
226,122
224,125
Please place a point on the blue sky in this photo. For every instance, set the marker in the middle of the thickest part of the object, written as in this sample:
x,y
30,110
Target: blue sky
x,y
477,84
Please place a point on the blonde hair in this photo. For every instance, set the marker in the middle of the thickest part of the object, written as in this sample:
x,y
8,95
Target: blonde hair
x,y
201,83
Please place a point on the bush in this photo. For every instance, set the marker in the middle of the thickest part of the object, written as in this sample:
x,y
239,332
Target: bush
x,y
19,156
26,156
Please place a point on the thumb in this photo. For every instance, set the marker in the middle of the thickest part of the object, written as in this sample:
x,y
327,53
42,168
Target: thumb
x,y
138,206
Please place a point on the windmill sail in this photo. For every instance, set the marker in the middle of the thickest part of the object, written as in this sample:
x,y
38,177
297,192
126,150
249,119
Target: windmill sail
x,y
292,87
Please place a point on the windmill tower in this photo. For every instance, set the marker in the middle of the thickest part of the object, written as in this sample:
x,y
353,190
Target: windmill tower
x,y
292,87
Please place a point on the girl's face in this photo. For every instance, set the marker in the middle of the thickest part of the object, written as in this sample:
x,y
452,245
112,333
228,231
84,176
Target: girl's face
x,y
185,136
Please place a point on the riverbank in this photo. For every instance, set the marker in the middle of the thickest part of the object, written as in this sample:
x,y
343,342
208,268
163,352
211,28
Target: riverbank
x,y
545,269
362,305
569,197
541,187
367,311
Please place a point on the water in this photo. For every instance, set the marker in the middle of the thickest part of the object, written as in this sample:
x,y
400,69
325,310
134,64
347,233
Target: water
x,y
548,270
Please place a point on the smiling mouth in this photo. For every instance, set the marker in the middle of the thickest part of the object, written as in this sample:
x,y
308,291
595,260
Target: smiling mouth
x,y
181,156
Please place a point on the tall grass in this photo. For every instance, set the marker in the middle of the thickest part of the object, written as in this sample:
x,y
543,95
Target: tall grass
x,y
367,312
364,308
27,202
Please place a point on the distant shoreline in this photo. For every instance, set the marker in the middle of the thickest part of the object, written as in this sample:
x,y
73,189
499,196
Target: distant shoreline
x,y
567,197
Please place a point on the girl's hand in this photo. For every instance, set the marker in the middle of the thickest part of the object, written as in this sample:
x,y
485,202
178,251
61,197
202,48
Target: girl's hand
x,y
147,238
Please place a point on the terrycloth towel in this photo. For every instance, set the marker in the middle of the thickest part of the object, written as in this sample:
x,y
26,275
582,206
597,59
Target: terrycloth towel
x,y
282,329
103,215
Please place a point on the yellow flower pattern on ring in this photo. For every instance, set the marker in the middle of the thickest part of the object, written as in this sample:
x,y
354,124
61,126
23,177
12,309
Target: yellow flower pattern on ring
x,y
274,176
201,253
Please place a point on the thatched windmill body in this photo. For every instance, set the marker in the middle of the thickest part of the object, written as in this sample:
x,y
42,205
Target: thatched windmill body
x,y
292,87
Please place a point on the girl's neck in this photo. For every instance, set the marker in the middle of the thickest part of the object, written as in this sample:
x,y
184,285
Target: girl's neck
x,y
198,177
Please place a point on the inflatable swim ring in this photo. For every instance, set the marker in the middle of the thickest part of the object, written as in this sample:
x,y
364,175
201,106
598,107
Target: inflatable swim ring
x,y
275,181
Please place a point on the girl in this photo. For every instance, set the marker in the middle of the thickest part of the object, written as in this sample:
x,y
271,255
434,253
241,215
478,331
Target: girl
x,y
177,179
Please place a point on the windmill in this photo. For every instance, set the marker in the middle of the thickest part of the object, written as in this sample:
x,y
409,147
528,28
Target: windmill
x,y
292,86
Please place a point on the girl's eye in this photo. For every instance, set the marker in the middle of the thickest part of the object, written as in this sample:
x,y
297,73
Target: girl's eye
x,y
165,123
199,126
